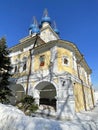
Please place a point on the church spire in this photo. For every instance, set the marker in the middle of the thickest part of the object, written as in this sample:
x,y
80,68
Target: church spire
x,y
45,14
34,20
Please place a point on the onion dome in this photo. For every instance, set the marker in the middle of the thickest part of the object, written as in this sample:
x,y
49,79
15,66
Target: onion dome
x,y
45,17
35,30
56,31
55,28
34,27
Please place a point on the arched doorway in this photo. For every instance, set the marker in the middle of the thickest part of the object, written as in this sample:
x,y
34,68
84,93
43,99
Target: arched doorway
x,y
17,91
47,93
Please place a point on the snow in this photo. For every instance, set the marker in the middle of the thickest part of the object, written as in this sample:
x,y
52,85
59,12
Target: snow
x,y
13,119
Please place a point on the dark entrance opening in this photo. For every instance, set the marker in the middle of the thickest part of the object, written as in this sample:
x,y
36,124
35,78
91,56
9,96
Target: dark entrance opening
x,y
47,94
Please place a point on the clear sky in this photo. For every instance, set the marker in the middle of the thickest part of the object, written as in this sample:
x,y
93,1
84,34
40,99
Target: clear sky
x,y
77,21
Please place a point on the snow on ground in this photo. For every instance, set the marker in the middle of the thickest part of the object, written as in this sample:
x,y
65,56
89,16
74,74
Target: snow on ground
x,y
13,119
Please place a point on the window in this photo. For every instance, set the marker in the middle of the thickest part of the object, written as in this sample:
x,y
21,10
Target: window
x,y
16,69
42,60
65,60
24,63
24,66
16,66
63,83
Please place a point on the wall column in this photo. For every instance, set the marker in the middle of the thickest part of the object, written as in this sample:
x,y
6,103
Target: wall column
x,y
65,100
36,95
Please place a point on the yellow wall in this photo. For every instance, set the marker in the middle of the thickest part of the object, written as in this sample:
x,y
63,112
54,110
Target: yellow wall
x,y
61,52
19,57
79,103
64,52
88,97
37,61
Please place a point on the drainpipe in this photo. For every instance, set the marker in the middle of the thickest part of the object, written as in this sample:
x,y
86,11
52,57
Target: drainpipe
x,y
28,77
92,95
84,99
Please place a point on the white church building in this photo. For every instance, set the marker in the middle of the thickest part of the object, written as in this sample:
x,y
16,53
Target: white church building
x,y
51,70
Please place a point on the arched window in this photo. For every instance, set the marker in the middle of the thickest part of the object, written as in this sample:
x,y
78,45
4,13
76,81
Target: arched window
x,y
24,66
65,60
16,69
24,63
16,66
42,60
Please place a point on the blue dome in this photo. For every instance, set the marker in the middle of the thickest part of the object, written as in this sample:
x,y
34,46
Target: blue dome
x,y
35,30
56,30
46,19
32,26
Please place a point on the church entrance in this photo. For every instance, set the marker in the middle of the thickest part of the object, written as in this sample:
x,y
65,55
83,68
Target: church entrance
x,y
47,94
18,93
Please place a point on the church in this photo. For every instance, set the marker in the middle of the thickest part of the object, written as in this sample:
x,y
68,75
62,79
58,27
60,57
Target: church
x,y
52,70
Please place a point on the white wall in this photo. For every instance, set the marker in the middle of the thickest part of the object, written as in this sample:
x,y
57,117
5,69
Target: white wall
x,y
96,96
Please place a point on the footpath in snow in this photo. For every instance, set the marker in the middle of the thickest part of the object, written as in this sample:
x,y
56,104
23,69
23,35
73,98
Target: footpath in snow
x,y
13,119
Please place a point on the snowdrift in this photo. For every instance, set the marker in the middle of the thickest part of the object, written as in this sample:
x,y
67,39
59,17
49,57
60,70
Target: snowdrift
x,y
13,119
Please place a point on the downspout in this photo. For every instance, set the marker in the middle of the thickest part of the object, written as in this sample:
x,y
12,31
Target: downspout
x,y
28,77
92,95
84,99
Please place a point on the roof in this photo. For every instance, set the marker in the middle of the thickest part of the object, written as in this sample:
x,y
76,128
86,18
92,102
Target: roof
x,y
26,42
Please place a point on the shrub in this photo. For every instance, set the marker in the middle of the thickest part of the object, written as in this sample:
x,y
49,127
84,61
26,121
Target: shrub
x,y
27,105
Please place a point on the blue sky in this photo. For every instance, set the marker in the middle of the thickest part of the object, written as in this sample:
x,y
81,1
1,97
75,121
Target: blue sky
x,y
77,21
